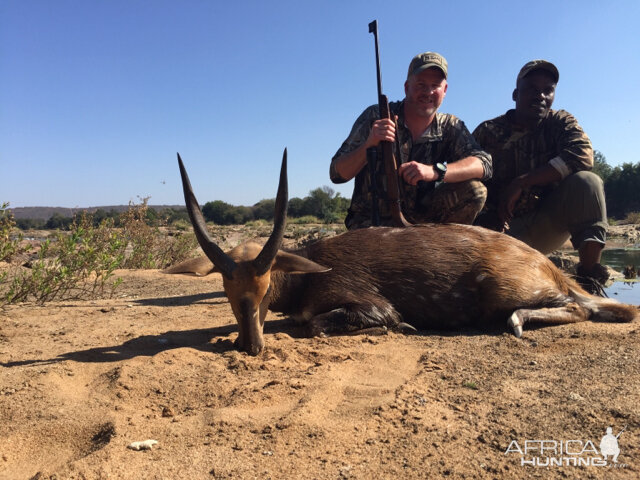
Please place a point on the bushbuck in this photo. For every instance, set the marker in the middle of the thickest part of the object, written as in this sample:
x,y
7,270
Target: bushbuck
x,y
424,276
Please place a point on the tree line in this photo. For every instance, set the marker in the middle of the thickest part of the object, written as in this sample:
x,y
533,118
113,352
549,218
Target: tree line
x,y
621,186
322,205
57,221
622,190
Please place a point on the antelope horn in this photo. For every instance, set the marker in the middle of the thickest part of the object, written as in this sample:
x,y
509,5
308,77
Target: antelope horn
x,y
262,262
224,262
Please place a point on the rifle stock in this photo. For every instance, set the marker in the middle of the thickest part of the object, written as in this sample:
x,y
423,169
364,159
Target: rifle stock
x,y
372,161
388,157
391,171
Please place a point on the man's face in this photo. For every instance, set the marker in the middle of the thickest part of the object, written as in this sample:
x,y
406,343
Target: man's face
x,y
425,91
534,95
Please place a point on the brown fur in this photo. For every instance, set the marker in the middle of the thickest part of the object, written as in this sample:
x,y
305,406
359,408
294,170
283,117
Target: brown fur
x,y
425,275
430,276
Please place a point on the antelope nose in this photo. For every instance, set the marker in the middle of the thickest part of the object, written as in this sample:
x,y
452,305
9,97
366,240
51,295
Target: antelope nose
x,y
254,350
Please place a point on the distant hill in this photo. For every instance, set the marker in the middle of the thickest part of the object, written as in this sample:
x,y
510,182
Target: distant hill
x,y
45,213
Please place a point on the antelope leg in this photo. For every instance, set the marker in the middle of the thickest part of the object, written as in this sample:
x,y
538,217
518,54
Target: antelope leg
x,y
571,313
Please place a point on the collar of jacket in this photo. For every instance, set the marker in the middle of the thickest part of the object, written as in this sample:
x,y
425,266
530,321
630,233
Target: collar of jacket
x,y
433,133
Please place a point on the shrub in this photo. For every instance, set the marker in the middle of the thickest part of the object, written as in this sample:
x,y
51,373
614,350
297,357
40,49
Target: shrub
x,y
77,264
139,236
147,246
8,246
169,250
632,218
81,263
181,225
30,223
257,223
303,220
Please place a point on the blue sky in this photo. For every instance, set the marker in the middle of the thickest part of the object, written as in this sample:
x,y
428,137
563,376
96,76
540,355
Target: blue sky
x,y
98,96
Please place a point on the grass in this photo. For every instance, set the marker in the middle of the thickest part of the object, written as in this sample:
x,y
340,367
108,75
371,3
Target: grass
x,y
470,384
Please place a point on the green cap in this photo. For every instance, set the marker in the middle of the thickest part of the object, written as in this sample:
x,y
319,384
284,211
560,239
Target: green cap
x,y
538,65
427,60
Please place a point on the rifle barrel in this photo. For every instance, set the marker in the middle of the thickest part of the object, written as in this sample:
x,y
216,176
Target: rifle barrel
x,y
373,28
388,157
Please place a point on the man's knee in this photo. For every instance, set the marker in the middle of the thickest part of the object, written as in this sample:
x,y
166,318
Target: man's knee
x,y
583,212
466,201
470,192
587,182
477,191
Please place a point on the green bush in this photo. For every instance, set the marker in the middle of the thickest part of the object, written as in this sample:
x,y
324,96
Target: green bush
x,y
76,265
303,220
8,246
81,263
257,223
147,246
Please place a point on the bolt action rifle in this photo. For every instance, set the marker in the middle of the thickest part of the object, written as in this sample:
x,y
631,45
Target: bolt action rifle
x,y
372,163
388,157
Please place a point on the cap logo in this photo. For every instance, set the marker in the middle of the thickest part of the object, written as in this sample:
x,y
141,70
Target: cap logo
x,y
426,60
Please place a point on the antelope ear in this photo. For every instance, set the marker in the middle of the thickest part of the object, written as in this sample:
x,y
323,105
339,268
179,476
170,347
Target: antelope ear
x,y
290,263
200,266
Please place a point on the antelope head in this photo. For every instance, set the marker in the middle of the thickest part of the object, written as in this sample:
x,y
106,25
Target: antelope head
x,y
246,270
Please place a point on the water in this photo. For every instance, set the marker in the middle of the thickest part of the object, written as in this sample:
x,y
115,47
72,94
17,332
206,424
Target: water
x,y
618,258
625,292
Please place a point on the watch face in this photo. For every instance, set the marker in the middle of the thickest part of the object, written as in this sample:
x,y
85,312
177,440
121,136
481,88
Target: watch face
x,y
441,169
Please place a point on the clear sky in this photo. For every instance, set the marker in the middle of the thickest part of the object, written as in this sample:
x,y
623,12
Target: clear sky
x,y
96,97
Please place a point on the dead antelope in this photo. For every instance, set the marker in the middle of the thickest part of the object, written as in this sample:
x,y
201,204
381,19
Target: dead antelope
x,y
427,276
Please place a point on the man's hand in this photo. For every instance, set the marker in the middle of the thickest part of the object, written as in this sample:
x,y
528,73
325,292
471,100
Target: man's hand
x,y
541,176
509,199
414,172
350,164
383,130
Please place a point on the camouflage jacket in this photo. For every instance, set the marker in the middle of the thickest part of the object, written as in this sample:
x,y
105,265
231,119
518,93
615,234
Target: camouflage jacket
x,y
558,140
446,140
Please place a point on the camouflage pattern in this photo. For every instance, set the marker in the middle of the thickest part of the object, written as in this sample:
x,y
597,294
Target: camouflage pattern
x,y
446,140
451,203
516,151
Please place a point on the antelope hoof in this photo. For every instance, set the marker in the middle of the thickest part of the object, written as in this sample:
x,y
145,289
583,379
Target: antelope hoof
x,y
516,323
404,327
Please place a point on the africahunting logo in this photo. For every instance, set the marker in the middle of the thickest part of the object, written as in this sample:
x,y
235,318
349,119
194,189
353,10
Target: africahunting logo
x,y
564,453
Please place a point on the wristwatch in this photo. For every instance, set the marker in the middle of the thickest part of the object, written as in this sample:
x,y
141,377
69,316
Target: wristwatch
x,y
440,169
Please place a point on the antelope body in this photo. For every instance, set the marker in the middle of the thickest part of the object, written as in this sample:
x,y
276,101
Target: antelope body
x,y
427,276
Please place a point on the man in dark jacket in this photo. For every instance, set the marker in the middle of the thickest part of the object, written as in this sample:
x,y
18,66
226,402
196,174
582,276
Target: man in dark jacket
x,y
542,191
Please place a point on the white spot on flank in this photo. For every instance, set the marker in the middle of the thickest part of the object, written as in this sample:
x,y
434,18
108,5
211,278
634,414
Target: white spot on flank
x,y
480,277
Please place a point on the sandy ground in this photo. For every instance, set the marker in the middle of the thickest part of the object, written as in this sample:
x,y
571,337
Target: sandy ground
x,y
80,381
